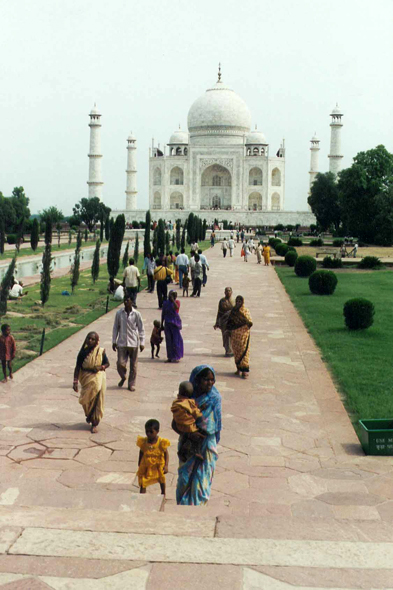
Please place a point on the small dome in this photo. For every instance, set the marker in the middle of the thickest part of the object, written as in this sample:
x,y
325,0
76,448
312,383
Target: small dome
x,y
336,110
220,108
179,136
315,138
256,138
131,137
94,110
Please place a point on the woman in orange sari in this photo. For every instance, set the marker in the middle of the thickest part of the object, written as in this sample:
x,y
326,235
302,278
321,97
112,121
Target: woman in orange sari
x,y
91,364
266,254
239,324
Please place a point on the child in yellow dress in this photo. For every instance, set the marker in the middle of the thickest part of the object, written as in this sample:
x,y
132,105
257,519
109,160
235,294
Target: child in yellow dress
x,y
153,457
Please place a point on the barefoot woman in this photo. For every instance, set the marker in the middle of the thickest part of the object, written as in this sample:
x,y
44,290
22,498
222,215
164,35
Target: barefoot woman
x,y
239,324
91,364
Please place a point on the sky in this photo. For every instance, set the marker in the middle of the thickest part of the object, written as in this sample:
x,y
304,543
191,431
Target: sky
x,y
145,62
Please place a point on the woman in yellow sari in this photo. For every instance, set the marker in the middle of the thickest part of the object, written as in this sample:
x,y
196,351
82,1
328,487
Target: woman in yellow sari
x,y
91,364
266,254
239,324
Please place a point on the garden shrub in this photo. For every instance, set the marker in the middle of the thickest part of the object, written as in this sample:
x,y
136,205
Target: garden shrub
x,y
11,239
322,282
272,241
329,262
317,242
305,266
281,249
369,262
290,257
295,242
358,313
338,243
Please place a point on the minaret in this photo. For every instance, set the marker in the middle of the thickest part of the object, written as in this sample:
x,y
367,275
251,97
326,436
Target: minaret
x,y
131,190
335,156
95,183
314,160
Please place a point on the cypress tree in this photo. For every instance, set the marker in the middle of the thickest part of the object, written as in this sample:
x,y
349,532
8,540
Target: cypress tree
x,y
107,228
167,243
190,228
48,232
95,267
146,241
183,238
86,234
204,230
161,237
102,228
125,255
70,236
155,240
6,285
34,236
77,261
2,234
178,235
46,273
114,247
136,249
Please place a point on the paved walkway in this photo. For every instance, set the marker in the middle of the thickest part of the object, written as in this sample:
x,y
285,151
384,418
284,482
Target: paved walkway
x,y
295,503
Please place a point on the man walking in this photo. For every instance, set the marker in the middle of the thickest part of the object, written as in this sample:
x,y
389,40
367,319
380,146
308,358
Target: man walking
x,y
231,246
205,266
128,335
182,263
161,275
132,281
224,247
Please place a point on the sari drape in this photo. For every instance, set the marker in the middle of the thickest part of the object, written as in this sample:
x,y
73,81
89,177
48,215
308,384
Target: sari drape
x,y
172,328
93,386
239,326
195,476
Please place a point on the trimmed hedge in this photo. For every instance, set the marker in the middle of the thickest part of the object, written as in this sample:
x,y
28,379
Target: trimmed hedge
x,y
281,249
338,243
11,239
322,282
295,242
305,266
329,262
369,262
358,313
291,257
318,242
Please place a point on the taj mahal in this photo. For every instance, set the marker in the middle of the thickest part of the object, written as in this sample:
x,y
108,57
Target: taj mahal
x,y
218,168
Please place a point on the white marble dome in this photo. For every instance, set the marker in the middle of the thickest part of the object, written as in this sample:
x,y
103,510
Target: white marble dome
x,y
256,138
179,136
219,109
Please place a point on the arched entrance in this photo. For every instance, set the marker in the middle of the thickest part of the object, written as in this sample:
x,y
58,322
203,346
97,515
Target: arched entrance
x,y
216,188
255,201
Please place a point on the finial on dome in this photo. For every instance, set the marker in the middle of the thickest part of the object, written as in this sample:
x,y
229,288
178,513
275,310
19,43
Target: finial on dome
x,y
179,126
219,72
256,127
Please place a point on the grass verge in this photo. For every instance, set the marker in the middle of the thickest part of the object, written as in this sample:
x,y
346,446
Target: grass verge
x,y
8,254
359,361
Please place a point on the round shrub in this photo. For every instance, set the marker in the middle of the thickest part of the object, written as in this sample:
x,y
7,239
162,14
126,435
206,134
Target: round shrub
x,y
338,243
322,282
281,249
358,313
295,242
317,242
11,239
369,262
290,257
329,262
305,266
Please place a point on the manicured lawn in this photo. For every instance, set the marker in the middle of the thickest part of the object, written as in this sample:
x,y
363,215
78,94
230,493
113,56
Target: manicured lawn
x,y
39,250
361,361
62,315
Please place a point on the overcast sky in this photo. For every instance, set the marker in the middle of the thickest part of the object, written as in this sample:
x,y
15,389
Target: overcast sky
x,y
145,62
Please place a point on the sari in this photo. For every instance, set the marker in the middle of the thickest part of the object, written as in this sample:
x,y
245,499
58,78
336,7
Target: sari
x,y
239,326
266,254
93,386
258,252
225,307
194,475
172,326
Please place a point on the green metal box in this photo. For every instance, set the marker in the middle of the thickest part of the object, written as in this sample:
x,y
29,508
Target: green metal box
x,y
376,436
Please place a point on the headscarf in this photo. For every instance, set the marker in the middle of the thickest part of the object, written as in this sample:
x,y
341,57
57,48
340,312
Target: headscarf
x,y
239,316
212,400
85,351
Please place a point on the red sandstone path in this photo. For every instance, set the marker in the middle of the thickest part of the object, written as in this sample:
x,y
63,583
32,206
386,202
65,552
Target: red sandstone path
x,y
295,503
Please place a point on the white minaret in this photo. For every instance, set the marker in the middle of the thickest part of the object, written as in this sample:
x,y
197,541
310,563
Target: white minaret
x,y
335,156
314,159
131,190
95,183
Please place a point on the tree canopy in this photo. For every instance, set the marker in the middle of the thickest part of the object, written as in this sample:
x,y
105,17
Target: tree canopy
x,y
91,211
15,210
323,200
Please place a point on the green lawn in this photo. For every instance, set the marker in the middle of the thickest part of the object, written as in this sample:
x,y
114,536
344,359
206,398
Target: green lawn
x,y
39,250
62,315
361,361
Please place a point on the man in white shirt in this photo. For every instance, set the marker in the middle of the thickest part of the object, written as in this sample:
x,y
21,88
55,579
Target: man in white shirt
x,y
224,247
16,291
128,335
182,264
132,281
231,245
205,266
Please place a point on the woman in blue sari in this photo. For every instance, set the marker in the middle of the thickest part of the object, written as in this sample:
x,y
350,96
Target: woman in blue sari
x,y
195,476
171,324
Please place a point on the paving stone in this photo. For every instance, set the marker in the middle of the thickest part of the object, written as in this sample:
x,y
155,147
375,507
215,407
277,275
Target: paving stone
x,y
349,499
8,535
26,584
168,576
93,455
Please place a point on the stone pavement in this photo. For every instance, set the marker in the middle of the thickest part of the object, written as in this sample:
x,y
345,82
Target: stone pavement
x,y
295,503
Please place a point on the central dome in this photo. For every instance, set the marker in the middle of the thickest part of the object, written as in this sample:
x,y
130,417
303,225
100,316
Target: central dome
x,y
220,109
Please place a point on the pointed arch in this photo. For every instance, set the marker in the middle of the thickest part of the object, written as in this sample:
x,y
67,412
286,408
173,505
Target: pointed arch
x,y
276,177
157,177
176,200
177,175
255,177
255,201
157,200
276,202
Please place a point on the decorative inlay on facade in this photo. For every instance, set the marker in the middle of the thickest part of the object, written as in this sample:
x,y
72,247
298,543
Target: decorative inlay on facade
x,y
206,162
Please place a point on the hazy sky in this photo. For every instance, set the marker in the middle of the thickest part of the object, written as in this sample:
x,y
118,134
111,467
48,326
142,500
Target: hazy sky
x,y
145,62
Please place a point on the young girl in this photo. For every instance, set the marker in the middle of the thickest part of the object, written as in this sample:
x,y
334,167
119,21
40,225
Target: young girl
x,y
7,351
153,457
156,338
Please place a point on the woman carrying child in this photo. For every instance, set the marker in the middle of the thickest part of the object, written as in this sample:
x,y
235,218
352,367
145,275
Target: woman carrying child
x,y
91,364
172,325
195,475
